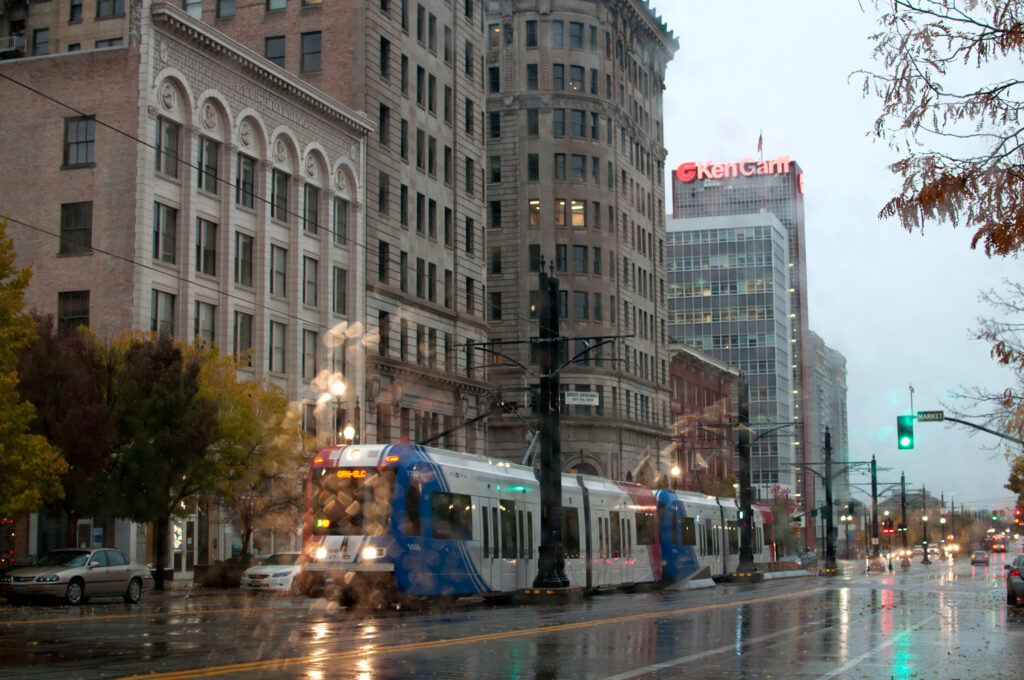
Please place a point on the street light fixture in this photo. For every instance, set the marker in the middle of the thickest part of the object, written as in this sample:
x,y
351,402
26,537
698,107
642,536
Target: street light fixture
x,y
675,477
338,390
942,537
349,433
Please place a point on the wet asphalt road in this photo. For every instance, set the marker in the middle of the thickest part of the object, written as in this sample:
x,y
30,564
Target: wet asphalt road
x,y
947,620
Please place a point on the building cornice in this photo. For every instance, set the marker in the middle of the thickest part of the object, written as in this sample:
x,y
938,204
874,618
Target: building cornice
x,y
174,19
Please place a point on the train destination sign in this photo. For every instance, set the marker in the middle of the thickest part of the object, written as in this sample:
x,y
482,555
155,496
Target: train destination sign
x,y
689,171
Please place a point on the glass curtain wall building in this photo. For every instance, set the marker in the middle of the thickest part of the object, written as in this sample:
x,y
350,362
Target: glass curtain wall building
x,y
728,296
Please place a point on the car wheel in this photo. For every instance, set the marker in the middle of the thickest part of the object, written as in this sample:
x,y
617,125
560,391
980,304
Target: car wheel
x,y
75,593
134,592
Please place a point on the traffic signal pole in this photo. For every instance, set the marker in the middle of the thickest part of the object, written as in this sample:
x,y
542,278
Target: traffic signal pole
x,y
874,508
551,558
830,530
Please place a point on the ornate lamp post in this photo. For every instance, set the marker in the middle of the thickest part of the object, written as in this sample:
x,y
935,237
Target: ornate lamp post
x,y
338,390
942,537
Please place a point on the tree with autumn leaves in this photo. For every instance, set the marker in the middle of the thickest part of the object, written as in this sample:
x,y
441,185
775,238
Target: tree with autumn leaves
x,y
31,466
951,89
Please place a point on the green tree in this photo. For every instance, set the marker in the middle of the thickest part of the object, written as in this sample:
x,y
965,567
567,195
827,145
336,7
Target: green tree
x,y
258,447
31,466
164,429
783,506
63,375
950,88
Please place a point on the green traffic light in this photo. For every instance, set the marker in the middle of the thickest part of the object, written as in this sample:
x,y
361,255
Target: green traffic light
x,y
904,432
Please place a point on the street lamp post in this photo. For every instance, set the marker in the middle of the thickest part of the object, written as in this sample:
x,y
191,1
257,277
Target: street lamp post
x,y
924,539
942,537
337,389
675,477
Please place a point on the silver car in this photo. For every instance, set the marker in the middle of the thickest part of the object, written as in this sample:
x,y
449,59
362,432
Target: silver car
x,y
76,574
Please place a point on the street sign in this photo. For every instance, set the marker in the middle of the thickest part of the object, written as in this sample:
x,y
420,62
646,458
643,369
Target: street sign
x,y
582,398
930,416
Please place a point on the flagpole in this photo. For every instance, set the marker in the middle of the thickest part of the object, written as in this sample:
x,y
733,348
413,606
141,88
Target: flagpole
x,y
760,151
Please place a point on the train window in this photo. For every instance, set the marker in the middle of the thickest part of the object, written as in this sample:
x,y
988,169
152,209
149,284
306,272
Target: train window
x,y
600,536
452,516
486,539
629,537
616,538
661,518
351,501
689,536
645,528
412,510
529,535
508,529
571,532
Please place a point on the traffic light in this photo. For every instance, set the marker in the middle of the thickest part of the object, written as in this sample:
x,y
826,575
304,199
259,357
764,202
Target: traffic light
x,y
904,432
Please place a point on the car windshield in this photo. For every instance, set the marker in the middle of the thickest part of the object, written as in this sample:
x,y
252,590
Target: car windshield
x,y
63,558
282,558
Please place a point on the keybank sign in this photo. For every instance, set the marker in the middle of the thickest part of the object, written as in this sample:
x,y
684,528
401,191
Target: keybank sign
x,y
687,172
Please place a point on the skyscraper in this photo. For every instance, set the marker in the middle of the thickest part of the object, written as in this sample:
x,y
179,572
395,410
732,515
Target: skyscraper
x,y
729,297
574,175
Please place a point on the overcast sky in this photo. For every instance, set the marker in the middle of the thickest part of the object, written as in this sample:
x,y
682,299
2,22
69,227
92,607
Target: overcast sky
x,y
899,306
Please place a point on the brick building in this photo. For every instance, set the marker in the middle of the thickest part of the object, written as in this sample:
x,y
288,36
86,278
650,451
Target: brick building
x,y
703,406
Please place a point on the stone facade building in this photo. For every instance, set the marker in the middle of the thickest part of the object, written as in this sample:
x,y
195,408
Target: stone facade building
x,y
575,184
180,183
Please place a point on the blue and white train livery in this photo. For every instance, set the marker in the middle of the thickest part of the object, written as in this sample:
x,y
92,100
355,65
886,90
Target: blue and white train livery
x,y
386,523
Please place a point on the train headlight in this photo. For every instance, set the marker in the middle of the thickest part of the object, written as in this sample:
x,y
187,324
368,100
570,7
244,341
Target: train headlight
x,y
320,553
372,553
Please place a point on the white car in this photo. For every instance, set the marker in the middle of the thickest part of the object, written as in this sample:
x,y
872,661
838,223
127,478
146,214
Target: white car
x,y
278,572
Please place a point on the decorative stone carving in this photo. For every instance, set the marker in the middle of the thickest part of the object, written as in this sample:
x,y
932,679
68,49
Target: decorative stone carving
x,y
280,151
209,116
310,165
340,182
245,134
162,51
167,96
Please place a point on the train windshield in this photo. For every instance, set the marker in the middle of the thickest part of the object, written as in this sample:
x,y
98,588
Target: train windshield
x,y
351,501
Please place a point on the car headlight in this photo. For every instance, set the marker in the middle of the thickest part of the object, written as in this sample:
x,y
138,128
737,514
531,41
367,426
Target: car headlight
x,y
6,579
48,578
372,553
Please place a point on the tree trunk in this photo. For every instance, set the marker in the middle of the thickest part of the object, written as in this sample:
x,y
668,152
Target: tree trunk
x,y
246,542
162,533
72,534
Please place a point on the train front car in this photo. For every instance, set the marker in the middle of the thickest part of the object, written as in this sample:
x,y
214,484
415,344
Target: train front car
x,y
349,538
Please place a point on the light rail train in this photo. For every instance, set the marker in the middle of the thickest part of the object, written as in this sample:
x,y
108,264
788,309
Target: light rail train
x,y
399,522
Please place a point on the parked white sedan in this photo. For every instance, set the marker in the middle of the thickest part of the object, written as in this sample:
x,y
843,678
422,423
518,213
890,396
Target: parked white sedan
x,y
76,574
278,572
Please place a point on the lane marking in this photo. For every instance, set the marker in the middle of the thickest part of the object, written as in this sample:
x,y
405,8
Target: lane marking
x,y
896,638
706,653
278,664
140,615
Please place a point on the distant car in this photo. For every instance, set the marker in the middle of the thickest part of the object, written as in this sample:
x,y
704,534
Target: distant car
x,y
1015,581
979,557
278,572
77,574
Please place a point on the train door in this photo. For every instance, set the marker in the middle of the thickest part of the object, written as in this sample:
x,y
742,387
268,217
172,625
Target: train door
x,y
526,561
615,543
507,565
600,556
490,543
